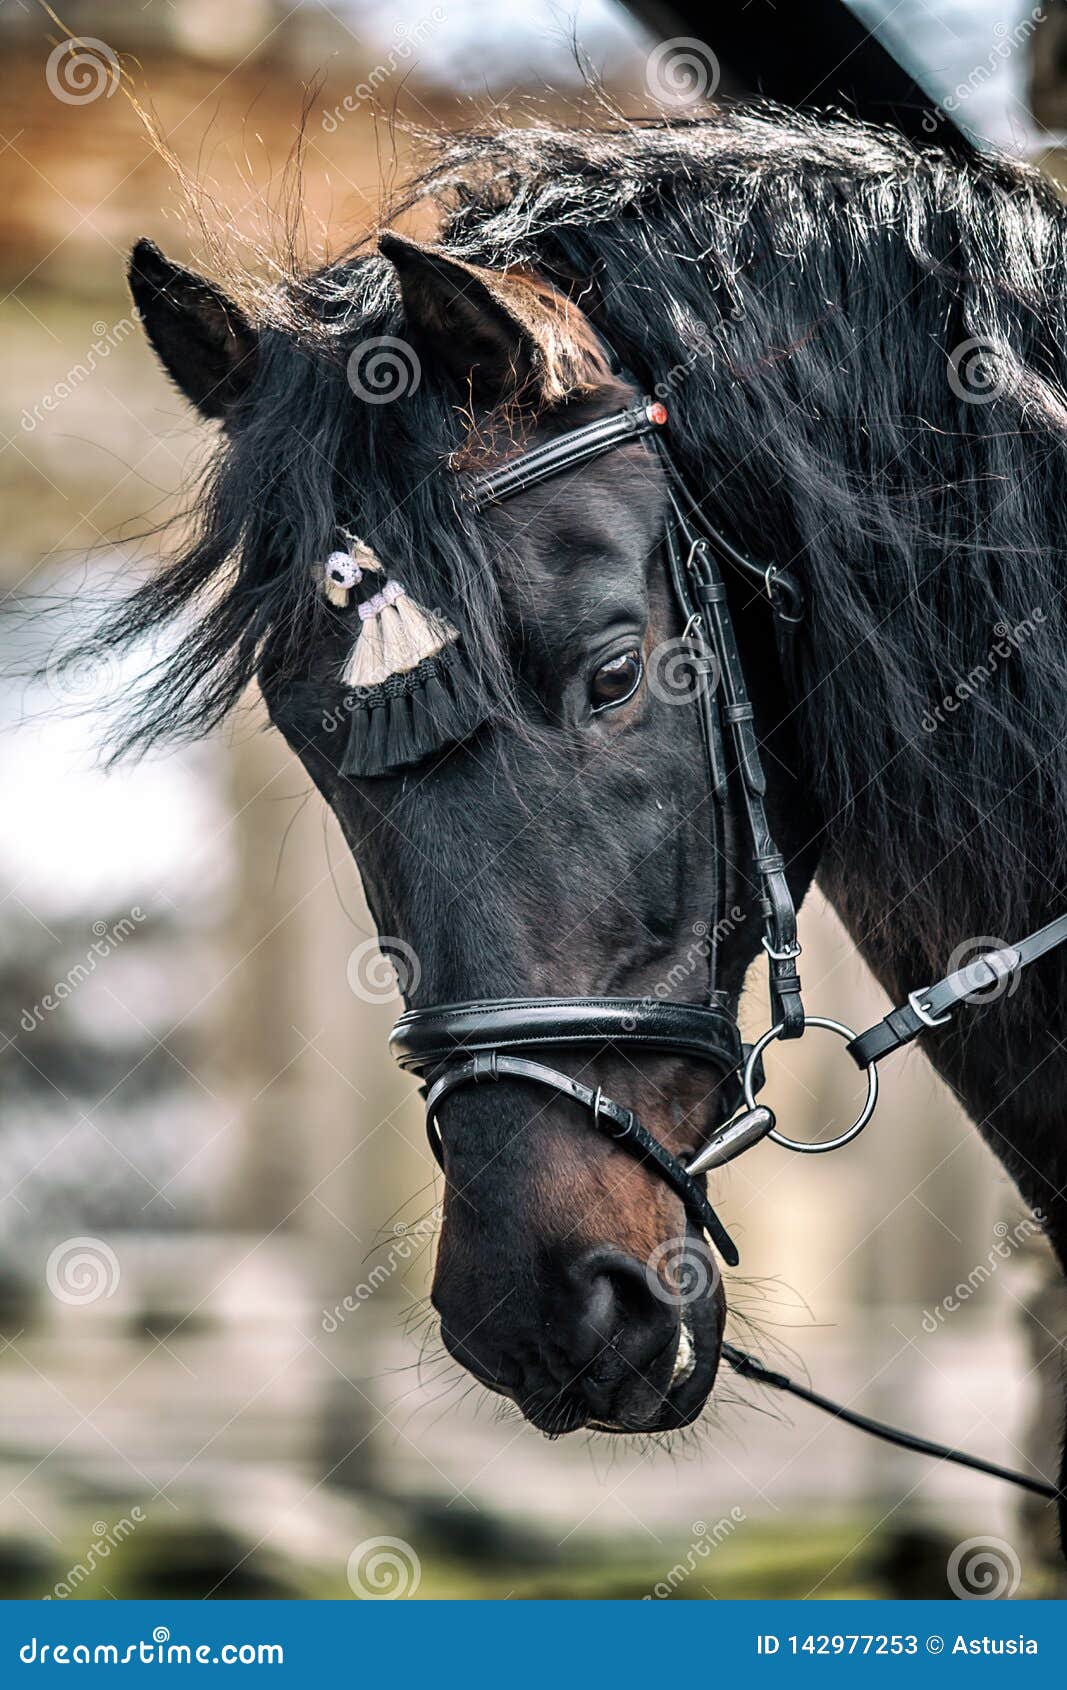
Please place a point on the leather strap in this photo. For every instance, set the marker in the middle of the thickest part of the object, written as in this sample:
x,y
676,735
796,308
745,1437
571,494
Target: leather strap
x,y
776,904
934,1004
749,1367
566,451
424,1038
608,1117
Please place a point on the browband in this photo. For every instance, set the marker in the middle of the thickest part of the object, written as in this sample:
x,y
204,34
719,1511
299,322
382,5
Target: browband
x,y
566,451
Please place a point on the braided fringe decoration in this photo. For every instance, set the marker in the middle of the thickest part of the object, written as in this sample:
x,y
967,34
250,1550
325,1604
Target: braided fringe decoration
x,y
396,635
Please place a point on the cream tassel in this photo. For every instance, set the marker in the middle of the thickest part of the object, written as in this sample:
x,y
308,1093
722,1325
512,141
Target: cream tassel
x,y
396,635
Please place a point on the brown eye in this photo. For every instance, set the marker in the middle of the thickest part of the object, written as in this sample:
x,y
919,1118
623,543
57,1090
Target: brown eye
x,y
616,681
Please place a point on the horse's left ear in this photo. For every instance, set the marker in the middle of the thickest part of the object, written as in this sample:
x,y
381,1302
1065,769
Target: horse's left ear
x,y
204,342
507,333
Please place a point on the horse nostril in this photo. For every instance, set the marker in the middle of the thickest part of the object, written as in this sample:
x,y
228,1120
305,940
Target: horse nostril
x,y
618,1311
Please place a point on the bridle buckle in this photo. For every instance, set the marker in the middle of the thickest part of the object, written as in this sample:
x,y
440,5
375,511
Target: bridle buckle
x,y
922,1010
788,953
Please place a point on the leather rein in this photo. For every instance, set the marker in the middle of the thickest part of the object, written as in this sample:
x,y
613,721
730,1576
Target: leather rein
x,y
453,1046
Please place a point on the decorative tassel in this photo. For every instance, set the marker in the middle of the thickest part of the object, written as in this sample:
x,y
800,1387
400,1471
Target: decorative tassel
x,y
408,717
396,635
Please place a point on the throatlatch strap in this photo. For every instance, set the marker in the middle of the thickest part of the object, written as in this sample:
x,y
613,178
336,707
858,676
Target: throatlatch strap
x,y
932,1005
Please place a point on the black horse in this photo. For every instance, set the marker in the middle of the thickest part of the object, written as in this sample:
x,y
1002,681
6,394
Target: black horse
x,y
860,347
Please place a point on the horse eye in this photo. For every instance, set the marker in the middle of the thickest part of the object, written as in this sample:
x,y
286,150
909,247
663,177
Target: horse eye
x,y
616,681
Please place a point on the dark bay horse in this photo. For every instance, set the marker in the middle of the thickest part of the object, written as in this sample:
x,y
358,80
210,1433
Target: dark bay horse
x,y
861,349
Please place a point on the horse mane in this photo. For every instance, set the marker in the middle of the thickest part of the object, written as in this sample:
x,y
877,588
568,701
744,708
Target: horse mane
x,y
799,291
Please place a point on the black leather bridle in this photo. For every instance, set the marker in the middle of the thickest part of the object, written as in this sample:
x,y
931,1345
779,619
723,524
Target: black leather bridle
x,y
452,1046
502,1038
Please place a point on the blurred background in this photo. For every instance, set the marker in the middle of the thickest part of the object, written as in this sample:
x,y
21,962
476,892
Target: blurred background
x,y
218,1371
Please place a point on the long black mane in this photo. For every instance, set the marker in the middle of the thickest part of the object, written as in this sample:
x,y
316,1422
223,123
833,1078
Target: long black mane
x,y
800,293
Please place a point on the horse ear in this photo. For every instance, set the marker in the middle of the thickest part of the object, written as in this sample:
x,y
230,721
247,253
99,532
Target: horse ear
x,y
204,342
507,334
